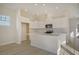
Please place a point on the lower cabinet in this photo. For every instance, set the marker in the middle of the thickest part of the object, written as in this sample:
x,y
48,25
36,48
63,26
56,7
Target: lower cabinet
x,y
50,43
46,42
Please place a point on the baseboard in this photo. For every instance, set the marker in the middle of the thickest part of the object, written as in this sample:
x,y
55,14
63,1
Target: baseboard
x,y
19,42
6,43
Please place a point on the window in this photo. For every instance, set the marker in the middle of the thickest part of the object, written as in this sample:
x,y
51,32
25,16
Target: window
x,y
4,20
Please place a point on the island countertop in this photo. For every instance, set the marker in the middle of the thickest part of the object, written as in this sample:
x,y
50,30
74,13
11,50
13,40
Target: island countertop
x,y
42,31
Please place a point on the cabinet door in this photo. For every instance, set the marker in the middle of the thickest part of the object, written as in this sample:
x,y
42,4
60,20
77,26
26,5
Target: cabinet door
x,y
50,43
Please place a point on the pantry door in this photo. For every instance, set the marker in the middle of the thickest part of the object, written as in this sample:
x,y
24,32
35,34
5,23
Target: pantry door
x,y
25,31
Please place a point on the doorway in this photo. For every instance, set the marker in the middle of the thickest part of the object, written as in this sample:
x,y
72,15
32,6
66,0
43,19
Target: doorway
x,y
25,31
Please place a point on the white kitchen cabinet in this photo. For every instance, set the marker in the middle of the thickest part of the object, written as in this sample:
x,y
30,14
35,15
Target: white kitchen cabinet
x,y
46,42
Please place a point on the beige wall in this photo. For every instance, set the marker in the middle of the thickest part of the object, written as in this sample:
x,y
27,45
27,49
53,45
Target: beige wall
x,y
23,13
8,34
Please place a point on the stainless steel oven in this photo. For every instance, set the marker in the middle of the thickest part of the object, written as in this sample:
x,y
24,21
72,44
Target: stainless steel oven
x,y
49,28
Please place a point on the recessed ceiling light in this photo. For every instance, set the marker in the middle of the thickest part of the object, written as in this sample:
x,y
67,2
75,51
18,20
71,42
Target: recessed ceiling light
x,y
44,4
57,7
35,4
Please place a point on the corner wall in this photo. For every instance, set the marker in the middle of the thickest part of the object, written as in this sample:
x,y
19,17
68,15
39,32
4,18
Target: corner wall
x,y
8,34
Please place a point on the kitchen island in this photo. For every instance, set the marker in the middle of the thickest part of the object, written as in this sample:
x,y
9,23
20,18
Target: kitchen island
x,y
47,41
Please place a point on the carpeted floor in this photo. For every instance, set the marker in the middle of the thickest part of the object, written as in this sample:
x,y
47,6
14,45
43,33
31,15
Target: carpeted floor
x,y
22,49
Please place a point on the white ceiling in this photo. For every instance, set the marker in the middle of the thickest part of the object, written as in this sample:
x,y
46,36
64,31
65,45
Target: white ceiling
x,y
32,5
51,8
